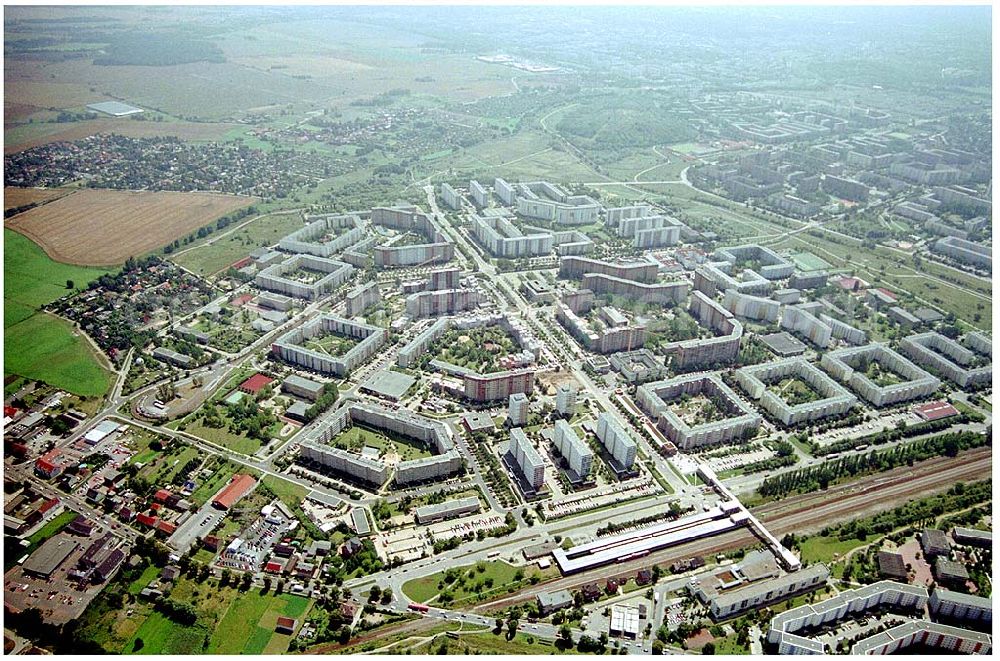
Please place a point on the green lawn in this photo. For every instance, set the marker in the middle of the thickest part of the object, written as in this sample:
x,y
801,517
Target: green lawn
x,y
248,624
210,258
42,346
501,573
32,280
161,635
490,643
47,348
357,437
208,488
224,437
52,527
728,645
289,493
822,549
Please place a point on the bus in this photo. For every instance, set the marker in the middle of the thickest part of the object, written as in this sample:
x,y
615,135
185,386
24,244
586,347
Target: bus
x,y
420,608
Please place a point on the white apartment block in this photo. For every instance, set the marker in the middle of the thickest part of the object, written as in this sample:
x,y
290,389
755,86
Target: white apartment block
x,y
286,277
566,400
289,347
751,307
480,196
842,364
615,215
788,628
325,235
517,409
947,357
362,297
579,457
526,457
619,443
504,191
440,302
739,422
502,238
451,197
834,399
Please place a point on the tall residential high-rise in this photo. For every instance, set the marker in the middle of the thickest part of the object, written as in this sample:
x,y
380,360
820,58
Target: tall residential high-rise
x,y
518,409
566,400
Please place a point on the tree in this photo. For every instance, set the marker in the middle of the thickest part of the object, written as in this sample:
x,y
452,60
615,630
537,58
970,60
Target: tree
x,y
511,628
709,648
71,285
657,647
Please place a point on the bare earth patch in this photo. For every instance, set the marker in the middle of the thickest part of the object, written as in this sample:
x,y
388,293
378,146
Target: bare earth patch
x,y
95,227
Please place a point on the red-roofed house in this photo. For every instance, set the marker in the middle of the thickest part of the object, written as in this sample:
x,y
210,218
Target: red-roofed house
x,y
851,284
242,299
161,495
273,567
255,384
238,487
147,520
285,625
166,528
935,410
49,464
47,505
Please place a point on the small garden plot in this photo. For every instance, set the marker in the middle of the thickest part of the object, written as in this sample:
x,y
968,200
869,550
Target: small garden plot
x,y
476,349
700,409
242,426
675,325
391,447
230,330
880,375
332,344
305,275
794,391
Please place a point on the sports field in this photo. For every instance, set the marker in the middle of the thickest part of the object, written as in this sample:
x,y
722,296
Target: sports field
x,y
808,262
98,227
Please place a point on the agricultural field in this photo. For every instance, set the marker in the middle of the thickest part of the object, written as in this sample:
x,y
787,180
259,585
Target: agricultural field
x,y
14,197
25,136
101,227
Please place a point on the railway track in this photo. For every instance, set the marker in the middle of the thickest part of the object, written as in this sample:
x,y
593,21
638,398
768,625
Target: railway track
x,y
808,513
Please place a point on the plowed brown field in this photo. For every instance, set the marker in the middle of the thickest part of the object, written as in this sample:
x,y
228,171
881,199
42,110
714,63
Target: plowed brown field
x,y
20,197
95,227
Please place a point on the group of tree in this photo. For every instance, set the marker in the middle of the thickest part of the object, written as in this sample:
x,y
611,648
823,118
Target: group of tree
x,y
822,475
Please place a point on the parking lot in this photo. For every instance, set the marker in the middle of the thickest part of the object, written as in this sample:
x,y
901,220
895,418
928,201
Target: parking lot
x,y
249,550
196,527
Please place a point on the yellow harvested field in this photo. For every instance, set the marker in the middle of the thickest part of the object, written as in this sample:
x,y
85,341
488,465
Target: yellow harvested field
x,y
20,197
95,227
